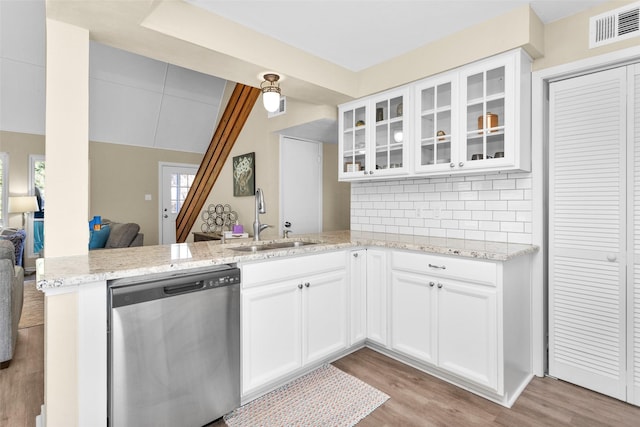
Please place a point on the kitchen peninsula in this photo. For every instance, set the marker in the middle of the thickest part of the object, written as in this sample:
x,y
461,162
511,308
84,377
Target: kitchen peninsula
x,y
458,309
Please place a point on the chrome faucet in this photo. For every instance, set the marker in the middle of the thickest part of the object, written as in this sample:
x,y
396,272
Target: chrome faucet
x,y
260,209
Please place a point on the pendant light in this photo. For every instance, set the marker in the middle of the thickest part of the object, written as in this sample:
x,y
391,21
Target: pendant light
x,y
271,92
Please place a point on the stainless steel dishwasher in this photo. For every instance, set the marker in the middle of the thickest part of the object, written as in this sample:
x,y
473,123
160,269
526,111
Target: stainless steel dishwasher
x,y
174,349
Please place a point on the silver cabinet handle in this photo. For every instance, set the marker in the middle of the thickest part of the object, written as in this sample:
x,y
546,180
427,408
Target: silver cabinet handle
x,y
441,267
307,284
452,165
432,284
439,285
461,164
299,285
355,255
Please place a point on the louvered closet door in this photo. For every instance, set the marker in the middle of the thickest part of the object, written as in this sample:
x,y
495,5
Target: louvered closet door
x,y
587,206
633,274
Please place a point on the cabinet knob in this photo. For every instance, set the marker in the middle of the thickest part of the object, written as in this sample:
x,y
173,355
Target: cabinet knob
x,y
439,285
452,165
366,172
299,285
461,164
307,284
432,284
611,257
355,255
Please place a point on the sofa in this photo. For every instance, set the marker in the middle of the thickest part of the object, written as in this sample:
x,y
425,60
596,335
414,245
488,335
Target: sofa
x,y
116,235
11,298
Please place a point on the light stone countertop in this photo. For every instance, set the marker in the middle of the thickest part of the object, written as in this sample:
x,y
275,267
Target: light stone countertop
x,y
99,265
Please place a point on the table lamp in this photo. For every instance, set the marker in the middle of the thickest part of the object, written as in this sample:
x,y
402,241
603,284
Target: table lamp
x,y
23,205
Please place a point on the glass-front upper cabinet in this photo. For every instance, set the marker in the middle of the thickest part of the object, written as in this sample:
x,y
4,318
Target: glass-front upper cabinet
x,y
373,136
489,132
353,137
436,124
391,133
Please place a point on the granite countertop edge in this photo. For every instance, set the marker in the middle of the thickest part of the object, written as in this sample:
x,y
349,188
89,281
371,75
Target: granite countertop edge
x,y
120,263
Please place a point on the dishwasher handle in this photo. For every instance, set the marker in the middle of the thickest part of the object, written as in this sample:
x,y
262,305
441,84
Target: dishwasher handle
x,y
183,288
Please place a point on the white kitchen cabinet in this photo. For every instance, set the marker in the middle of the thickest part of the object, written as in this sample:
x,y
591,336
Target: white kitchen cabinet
x,y
467,321
468,331
292,321
447,323
373,137
413,312
473,119
357,296
271,332
495,99
377,296
436,123
324,313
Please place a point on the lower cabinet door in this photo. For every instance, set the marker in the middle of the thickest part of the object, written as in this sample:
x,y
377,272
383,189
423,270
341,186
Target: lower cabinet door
x,y
324,309
377,296
271,333
467,331
412,311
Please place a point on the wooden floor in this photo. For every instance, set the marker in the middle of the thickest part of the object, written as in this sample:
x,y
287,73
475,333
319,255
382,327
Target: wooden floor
x,y
22,383
417,399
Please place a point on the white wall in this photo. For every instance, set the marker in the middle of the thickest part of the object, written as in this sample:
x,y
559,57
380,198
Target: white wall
x,y
495,207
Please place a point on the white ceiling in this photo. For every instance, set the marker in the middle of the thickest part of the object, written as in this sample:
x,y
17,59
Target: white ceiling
x,y
357,34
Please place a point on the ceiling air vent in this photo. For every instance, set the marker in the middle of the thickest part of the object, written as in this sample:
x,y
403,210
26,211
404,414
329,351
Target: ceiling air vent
x,y
616,25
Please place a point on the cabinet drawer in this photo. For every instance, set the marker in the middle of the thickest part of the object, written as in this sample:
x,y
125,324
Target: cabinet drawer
x,y
271,270
443,266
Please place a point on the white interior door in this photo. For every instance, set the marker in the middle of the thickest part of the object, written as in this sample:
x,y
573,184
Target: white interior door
x,y
300,185
175,181
587,231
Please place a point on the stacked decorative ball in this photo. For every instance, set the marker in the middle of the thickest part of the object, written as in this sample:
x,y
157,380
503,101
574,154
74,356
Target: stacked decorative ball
x,y
218,218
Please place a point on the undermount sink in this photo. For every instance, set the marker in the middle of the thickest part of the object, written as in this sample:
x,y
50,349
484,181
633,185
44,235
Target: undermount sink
x,y
271,246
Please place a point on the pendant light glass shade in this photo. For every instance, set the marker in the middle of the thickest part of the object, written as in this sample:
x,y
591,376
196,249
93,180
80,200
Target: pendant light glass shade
x,y
271,101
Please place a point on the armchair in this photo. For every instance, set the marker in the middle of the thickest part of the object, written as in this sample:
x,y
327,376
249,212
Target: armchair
x,y
11,299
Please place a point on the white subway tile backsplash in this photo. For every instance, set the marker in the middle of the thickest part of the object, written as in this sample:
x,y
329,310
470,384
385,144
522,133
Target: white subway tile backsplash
x,y
482,185
494,207
505,184
511,194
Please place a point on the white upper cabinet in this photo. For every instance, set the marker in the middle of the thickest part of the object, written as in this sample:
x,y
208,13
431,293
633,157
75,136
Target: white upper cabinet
x,y
373,137
436,124
495,103
474,119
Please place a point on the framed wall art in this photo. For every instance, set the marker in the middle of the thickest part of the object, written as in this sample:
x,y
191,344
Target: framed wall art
x,y
244,175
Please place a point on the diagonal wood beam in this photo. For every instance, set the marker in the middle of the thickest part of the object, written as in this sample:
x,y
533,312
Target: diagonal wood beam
x,y
235,115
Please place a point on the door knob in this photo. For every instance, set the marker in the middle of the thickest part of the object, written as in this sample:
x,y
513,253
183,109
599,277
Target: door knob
x,y
165,216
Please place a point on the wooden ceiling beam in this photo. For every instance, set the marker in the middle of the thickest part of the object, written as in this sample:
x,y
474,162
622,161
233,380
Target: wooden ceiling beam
x,y
233,119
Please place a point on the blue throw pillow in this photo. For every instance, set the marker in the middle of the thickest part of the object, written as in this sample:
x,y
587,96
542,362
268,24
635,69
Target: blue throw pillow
x,y
98,238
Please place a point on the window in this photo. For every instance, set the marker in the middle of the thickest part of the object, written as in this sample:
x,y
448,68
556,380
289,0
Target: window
x,y
4,185
180,184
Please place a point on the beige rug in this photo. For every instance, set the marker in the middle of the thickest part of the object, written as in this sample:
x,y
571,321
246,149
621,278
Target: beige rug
x,y
33,305
324,397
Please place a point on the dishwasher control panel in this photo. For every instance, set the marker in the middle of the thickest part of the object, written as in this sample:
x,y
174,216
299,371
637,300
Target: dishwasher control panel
x,y
230,278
